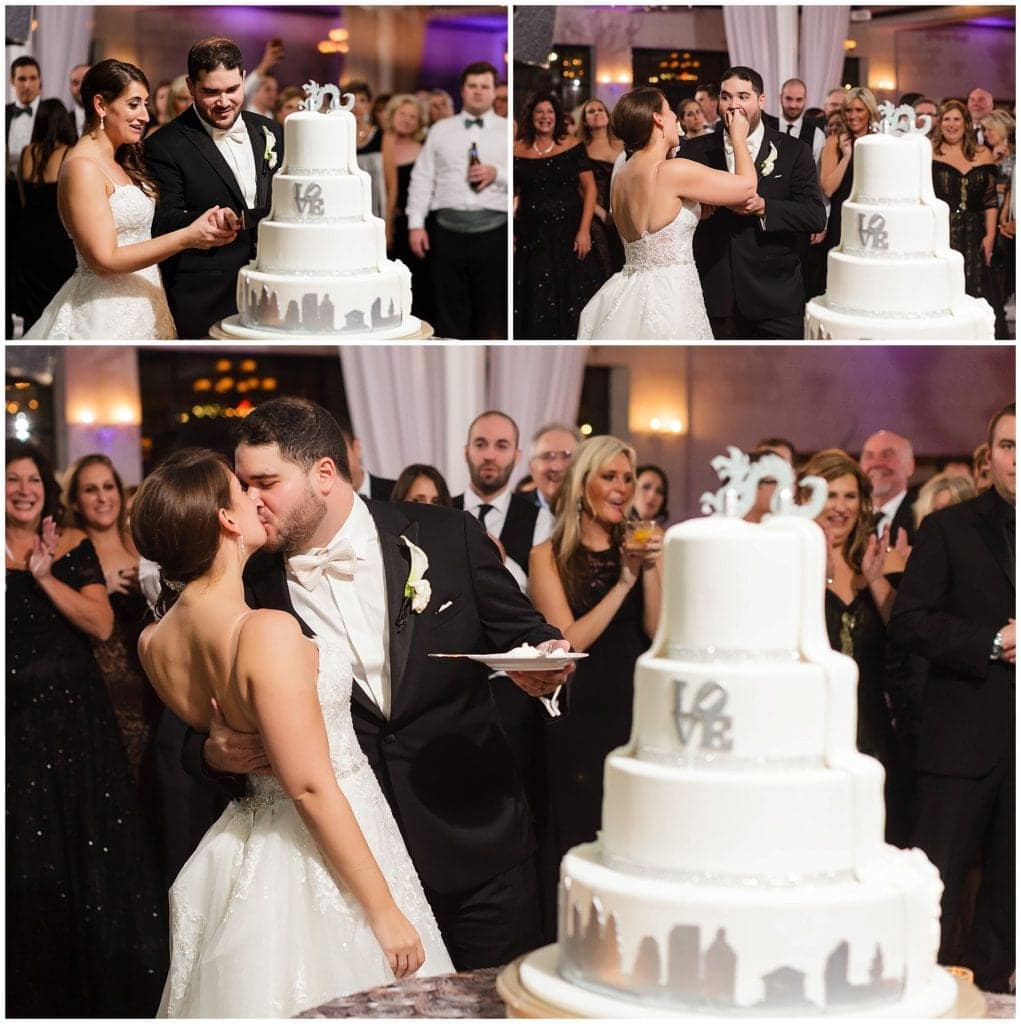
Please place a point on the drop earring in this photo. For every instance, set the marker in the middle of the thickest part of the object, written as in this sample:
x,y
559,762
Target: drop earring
x,y
241,549
102,122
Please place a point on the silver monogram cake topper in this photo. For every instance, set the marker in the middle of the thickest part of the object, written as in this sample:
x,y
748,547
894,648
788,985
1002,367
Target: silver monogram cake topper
x,y
741,478
317,95
902,120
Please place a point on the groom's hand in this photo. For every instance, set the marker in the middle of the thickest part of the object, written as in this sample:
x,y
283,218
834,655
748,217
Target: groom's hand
x,y
543,684
754,207
230,752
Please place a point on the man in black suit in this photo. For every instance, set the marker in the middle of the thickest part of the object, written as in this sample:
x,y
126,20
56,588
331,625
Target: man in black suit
x,y
749,257
379,488
888,460
347,570
956,607
214,154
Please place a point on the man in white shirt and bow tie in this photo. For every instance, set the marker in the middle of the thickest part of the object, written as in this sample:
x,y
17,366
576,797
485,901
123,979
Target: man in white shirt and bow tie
x,y
392,584
888,461
460,183
214,154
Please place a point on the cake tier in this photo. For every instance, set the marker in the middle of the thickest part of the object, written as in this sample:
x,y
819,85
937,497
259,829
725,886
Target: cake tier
x,y
969,319
770,825
891,169
883,233
317,143
351,304
855,945
358,247
321,199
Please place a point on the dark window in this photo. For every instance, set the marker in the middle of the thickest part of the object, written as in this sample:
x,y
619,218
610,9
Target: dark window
x,y
676,72
571,74
594,407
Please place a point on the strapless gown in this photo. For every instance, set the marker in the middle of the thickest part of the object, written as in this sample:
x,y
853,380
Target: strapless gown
x,y
259,927
657,295
112,307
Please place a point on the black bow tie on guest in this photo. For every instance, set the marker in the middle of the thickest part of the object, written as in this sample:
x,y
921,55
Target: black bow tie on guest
x,y
484,511
18,111
469,121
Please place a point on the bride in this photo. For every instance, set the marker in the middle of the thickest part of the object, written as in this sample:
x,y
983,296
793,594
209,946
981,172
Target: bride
x,y
106,200
655,203
303,890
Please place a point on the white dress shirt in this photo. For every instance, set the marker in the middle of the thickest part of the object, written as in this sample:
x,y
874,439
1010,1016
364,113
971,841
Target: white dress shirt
x,y
20,135
439,179
352,612
794,128
79,119
238,154
885,514
495,519
753,142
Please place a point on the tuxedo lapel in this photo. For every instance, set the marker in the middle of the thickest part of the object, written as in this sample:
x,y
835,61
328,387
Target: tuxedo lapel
x,y
262,172
200,139
400,618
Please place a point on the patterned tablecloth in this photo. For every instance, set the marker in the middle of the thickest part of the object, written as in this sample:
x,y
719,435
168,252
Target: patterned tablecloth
x,y
473,994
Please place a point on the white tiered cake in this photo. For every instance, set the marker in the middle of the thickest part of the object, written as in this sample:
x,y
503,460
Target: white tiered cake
x,y
321,266
894,275
741,867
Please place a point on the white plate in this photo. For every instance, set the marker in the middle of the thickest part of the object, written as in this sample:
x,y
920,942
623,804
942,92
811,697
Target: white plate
x,y
508,663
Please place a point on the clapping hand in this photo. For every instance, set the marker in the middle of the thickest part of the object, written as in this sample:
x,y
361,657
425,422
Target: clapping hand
x,y
874,559
122,581
40,560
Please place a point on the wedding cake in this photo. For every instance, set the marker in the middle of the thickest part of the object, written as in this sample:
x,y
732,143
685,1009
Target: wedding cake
x,y
741,867
321,266
894,275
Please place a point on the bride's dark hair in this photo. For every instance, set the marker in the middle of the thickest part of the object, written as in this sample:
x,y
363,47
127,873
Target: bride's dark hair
x,y
632,117
109,79
173,518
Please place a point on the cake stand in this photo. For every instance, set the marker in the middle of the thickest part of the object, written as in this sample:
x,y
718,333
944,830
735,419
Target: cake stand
x,y
522,1003
231,329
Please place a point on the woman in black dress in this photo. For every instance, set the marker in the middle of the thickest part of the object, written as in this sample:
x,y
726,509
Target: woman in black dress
x,y
602,148
555,197
369,141
605,599
964,177
86,916
859,597
45,252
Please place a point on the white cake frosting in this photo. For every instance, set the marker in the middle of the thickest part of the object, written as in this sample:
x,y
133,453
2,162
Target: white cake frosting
x,y
321,266
741,867
894,275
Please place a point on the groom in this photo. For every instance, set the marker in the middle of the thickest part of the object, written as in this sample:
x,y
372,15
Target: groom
x,y
342,566
214,154
749,257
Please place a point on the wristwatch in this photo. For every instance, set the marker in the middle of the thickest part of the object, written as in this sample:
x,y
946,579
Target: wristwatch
x,y
997,650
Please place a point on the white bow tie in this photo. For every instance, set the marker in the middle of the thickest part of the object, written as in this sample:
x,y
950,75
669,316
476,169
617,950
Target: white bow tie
x,y
338,560
237,132
728,146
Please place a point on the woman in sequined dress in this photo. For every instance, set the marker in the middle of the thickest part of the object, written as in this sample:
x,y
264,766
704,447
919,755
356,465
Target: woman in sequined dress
x,y
859,597
605,598
555,198
964,177
602,148
86,918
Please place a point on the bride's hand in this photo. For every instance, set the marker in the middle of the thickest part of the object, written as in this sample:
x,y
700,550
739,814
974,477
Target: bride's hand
x,y
737,125
205,232
399,941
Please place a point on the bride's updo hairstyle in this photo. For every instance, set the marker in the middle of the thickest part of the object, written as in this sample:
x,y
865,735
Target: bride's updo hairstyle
x,y
109,79
632,117
174,517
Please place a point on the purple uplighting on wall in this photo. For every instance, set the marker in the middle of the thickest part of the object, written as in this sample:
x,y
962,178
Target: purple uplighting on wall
x,y
452,42
993,22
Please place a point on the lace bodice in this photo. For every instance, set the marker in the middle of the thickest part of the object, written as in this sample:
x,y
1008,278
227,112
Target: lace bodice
x,y
670,246
132,217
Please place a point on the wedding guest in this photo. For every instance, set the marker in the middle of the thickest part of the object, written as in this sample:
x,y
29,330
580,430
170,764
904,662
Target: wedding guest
x,y
378,106
764,491
888,460
999,130
106,195
926,107
834,101
272,55
778,446
555,197
45,253
158,107
692,120
288,102
364,483
964,177
264,99
956,607
940,491
441,105
86,920
235,177
793,99
605,599
423,483
178,97
707,96
369,140
834,123
981,470
467,232
74,82
602,148
859,597
500,100
552,449
980,103
652,491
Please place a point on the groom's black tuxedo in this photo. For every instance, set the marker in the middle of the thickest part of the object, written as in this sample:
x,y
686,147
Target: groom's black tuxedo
x,y
193,176
749,272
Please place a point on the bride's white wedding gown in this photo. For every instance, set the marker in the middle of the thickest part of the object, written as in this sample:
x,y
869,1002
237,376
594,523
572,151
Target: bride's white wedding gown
x,y
657,295
259,927
108,307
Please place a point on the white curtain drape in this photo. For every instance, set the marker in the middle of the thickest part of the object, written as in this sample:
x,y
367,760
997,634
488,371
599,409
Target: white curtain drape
x,y
823,30
60,42
766,39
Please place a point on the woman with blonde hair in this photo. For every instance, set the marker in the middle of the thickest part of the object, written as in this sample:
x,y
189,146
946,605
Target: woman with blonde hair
x,y
605,599
939,491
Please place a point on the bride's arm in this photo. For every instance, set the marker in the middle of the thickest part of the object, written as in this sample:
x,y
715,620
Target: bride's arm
x,y
276,674
87,215
691,180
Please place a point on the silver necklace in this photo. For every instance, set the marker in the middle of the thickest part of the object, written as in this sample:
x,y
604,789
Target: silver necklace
x,y
543,152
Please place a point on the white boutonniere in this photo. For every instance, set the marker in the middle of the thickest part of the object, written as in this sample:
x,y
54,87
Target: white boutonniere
x,y
270,153
419,590
766,167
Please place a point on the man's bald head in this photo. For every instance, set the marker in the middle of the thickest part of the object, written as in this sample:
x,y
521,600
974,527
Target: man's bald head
x,y
889,461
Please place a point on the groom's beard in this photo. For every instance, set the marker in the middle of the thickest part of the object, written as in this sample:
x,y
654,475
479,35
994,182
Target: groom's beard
x,y
291,532
212,124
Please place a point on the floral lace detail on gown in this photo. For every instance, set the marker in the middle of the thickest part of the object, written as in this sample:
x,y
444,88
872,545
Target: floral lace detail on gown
x,y
126,307
259,927
658,294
